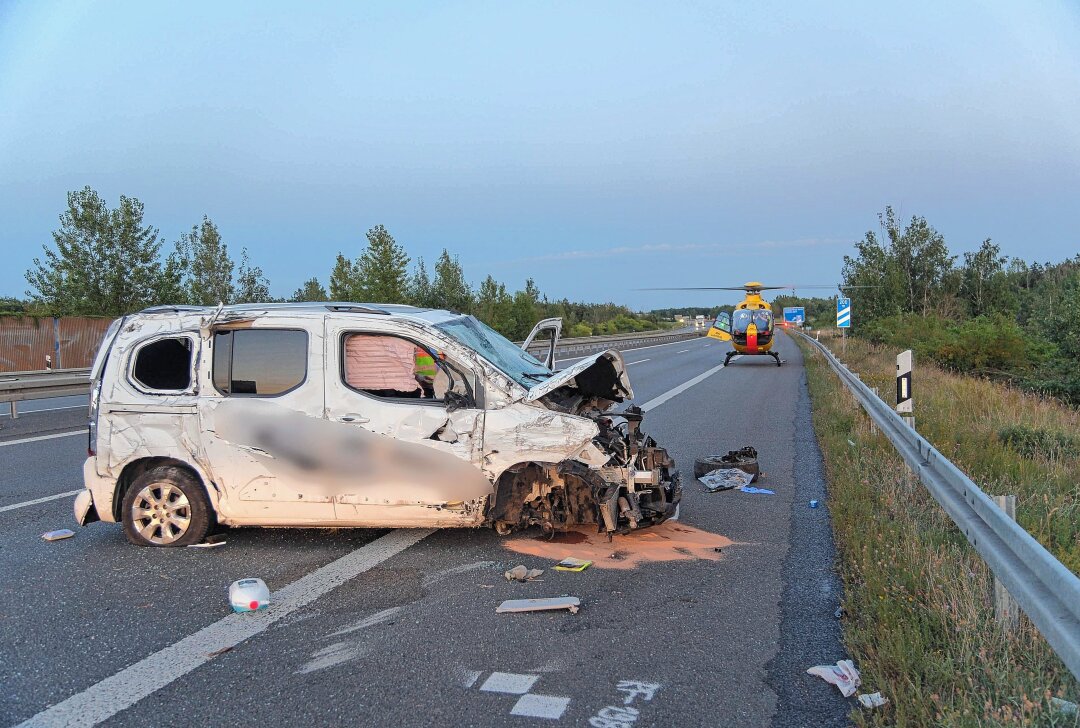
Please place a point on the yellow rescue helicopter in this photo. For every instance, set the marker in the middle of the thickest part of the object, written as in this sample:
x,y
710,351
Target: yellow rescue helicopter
x,y
750,327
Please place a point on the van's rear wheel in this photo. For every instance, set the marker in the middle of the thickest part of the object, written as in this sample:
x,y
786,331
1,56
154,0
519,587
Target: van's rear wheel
x,y
166,506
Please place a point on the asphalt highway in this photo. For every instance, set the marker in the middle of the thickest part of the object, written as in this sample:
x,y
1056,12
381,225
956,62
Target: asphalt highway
x,y
399,627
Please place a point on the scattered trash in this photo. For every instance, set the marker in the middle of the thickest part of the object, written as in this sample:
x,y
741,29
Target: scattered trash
x,y
572,564
726,479
873,700
248,595
59,535
222,651
540,605
849,442
813,504
839,612
1065,707
744,459
206,545
752,489
843,675
522,573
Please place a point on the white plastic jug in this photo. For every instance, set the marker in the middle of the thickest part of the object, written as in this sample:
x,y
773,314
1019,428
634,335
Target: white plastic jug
x,y
247,595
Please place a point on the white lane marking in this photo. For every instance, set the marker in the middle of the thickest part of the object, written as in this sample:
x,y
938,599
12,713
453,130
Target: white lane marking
x,y
682,351
657,401
39,438
550,707
105,699
623,351
637,362
509,682
45,409
40,500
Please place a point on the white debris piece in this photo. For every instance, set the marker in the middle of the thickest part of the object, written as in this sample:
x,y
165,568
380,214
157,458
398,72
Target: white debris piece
x,y
843,675
522,573
58,535
540,605
872,700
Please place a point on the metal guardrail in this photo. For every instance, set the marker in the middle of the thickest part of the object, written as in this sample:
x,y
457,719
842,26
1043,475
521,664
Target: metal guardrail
x,y
1047,591
18,386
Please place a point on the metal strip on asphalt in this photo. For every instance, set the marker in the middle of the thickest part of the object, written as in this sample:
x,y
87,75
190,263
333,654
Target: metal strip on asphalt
x,y
5,443
105,699
40,500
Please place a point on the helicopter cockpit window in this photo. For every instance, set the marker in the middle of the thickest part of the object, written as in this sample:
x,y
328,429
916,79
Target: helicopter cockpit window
x,y
740,320
763,320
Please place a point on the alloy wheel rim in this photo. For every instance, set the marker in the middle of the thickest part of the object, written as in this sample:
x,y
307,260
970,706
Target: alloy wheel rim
x,y
161,513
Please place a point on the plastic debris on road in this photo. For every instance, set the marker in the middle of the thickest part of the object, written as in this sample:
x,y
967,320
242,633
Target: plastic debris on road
x,y
572,564
760,491
249,595
843,675
872,700
522,573
1065,707
206,545
572,604
813,504
726,479
58,535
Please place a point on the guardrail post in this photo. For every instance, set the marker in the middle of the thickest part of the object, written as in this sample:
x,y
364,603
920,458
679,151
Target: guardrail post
x,y
1005,609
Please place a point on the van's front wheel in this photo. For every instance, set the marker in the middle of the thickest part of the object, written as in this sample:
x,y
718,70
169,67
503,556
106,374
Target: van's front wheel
x,y
166,506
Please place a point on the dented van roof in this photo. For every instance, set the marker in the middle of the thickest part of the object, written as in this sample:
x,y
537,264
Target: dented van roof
x,y
397,310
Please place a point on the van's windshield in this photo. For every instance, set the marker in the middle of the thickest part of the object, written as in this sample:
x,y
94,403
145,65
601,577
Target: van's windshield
x,y
519,365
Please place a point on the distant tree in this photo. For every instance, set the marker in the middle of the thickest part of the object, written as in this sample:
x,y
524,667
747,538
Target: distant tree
x,y
985,284
450,290
494,306
523,311
209,267
343,280
105,262
172,286
312,290
420,286
251,285
381,271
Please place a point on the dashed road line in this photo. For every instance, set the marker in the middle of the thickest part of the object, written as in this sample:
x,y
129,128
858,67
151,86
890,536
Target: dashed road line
x,y
40,500
676,391
104,699
637,362
682,351
5,443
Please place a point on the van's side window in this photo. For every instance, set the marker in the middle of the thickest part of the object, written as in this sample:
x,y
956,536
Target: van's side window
x,y
261,362
164,365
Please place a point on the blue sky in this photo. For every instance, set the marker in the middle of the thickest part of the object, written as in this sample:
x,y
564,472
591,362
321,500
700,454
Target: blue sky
x,y
597,147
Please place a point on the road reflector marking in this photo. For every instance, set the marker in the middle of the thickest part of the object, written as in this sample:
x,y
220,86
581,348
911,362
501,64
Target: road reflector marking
x,y
104,699
46,499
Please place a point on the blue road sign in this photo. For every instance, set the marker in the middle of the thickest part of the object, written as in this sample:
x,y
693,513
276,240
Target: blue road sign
x,y
843,313
794,315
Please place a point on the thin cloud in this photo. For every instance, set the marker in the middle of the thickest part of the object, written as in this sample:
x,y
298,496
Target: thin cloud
x,y
668,248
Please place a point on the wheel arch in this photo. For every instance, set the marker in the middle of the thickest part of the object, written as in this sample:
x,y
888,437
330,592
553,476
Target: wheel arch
x,y
137,467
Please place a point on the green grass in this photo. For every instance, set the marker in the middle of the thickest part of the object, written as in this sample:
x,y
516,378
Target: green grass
x,y
919,617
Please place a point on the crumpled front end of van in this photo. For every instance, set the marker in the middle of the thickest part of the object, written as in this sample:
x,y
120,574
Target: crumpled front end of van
x,y
622,481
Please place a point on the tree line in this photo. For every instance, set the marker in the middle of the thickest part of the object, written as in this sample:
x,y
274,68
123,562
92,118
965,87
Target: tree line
x,y
109,261
983,313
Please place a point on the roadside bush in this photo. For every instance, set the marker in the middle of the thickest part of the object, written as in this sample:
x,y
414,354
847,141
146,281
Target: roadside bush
x,y
580,329
1034,442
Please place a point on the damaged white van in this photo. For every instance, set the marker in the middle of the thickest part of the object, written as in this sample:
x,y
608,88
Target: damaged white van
x,y
331,415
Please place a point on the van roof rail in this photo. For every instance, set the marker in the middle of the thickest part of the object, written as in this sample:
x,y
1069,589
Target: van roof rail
x,y
352,308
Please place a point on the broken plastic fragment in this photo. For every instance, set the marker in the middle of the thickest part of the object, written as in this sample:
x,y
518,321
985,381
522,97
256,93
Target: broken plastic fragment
x,y
1065,707
572,564
206,545
59,535
726,479
752,489
843,675
872,700
521,573
539,605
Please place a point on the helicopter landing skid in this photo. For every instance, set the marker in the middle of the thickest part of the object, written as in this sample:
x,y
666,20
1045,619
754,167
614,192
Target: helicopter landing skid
x,y
773,354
